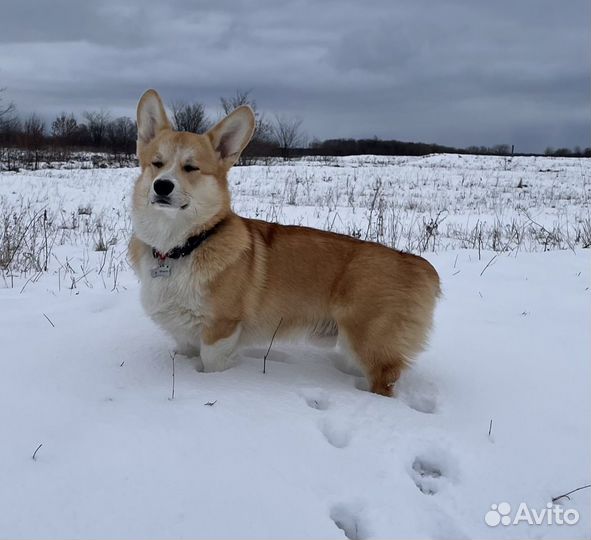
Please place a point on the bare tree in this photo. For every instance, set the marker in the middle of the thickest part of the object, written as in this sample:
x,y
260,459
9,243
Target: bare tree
x,y
263,130
64,128
241,97
34,136
122,134
10,132
287,134
189,117
501,149
34,128
7,108
10,128
97,122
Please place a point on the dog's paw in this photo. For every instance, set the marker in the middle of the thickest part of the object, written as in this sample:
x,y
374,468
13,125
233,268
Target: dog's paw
x,y
185,349
218,363
198,364
212,367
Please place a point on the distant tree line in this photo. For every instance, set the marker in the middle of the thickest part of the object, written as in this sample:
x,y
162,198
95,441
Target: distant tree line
x,y
29,141
577,151
347,147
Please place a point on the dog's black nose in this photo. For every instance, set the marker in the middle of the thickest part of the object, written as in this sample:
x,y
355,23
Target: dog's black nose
x,y
163,187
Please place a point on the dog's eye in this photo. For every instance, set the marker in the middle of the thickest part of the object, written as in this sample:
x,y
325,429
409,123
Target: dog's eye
x,y
190,168
157,164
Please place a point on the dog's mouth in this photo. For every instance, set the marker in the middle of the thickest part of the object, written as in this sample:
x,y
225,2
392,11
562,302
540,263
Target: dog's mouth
x,y
162,201
165,202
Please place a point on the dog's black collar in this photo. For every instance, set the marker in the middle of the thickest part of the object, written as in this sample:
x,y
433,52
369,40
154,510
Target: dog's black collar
x,y
192,243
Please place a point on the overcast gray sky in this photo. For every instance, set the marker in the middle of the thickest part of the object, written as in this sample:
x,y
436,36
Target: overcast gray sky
x,y
457,72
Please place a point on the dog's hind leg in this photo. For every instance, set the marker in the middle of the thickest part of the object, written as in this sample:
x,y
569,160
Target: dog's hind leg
x,y
378,355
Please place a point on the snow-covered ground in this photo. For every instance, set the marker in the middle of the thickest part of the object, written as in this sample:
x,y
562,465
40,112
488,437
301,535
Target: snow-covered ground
x,y
302,451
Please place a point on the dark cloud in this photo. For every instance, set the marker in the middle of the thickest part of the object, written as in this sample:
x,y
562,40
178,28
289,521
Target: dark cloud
x,y
458,72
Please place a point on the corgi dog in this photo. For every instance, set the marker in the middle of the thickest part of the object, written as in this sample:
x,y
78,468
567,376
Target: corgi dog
x,y
216,281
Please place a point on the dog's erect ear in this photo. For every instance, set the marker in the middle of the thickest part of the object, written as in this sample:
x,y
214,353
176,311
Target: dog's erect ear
x,y
231,135
151,117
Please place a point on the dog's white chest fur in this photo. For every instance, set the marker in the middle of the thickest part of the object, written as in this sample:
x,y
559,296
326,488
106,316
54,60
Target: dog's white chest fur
x,y
173,301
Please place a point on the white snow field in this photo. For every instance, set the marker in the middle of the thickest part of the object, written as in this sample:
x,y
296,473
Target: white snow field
x,y
497,410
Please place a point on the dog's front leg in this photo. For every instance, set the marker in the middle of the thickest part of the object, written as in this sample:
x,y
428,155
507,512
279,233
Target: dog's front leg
x,y
219,341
